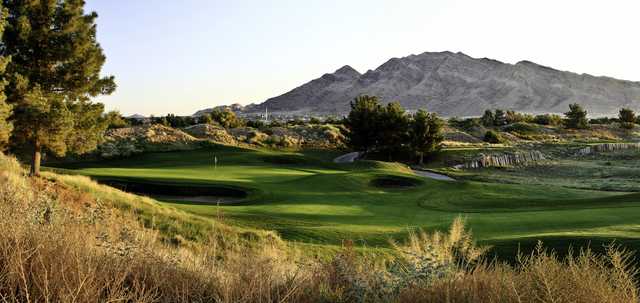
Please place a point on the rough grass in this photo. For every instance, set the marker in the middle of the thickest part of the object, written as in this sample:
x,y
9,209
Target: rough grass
x,y
62,244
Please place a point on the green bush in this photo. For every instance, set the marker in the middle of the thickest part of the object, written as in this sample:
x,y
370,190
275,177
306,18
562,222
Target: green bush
x,y
492,137
465,124
522,128
548,119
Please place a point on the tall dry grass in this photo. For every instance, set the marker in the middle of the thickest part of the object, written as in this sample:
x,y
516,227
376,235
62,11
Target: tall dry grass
x,y
61,244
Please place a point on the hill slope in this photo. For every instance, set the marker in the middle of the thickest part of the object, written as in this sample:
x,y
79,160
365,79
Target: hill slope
x,y
454,84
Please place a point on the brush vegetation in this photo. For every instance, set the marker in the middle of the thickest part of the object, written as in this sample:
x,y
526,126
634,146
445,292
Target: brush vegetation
x,y
66,239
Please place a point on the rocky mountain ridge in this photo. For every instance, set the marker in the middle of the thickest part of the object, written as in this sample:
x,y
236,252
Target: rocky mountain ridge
x,y
454,84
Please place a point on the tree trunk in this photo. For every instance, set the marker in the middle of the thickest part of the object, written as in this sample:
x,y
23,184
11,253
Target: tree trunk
x,y
35,159
421,158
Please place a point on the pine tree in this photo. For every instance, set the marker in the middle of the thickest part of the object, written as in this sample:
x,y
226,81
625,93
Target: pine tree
x,y
363,123
576,117
54,71
425,134
627,118
5,109
488,119
394,127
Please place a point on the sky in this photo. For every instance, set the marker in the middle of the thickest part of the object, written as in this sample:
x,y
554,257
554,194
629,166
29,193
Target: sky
x,y
182,56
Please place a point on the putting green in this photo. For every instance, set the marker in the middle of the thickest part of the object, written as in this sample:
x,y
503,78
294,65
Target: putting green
x,y
306,198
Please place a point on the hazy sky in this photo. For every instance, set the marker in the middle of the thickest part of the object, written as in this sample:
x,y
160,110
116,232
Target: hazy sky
x,y
181,56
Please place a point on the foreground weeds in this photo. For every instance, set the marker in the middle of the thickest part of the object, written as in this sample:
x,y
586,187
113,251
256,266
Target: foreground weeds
x,y
67,242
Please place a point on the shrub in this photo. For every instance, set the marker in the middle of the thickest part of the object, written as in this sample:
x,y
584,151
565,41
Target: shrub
x,y
465,124
576,117
603,120
521,128
627,118
515,117
548,119
257,124
488,118
492,137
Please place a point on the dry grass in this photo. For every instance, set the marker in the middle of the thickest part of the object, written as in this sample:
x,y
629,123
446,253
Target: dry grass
x,y
65,239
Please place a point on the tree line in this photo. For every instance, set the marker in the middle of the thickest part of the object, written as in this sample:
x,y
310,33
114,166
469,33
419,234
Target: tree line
x,y
574,118
389,129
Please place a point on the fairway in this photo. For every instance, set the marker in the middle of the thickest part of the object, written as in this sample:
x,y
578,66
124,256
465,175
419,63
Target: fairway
x,y
310,200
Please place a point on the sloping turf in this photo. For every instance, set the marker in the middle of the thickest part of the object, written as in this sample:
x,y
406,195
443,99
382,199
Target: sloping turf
x,y
308,199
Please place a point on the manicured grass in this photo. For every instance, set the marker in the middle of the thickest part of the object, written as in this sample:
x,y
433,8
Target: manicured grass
x,y
308,199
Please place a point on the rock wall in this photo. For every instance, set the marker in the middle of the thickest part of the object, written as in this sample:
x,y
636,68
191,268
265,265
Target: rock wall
x,y
607,147
505,160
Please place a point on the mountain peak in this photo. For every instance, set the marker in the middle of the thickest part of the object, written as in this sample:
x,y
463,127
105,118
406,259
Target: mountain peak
x,y
347,70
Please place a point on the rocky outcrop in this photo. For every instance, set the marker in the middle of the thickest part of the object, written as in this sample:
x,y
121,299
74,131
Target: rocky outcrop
x,y
211,132
607,147
505,160
123,142
454,84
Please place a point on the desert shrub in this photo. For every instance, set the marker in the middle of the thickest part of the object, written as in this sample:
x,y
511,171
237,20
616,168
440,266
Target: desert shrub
x,y
226,118
548,119
465,124
333,134
538,277
603,120
257,124
492,137
521,128
516,117
627,118
117,149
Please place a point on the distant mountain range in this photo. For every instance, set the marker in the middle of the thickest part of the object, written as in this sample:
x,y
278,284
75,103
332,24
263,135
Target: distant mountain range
x,y
454,84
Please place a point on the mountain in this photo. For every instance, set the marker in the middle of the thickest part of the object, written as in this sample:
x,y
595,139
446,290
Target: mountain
x,y
235,107
454,84
137,116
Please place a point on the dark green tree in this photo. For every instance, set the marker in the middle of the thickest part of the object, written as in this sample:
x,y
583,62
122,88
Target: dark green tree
x,y
425,134
115,120
488,119
363,123
394,124
492,137
500,118
576,117
54,71
548,119
5,109
627,118
205,119
226,118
